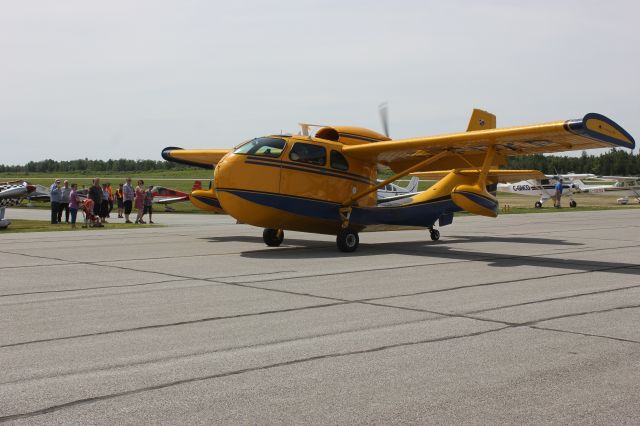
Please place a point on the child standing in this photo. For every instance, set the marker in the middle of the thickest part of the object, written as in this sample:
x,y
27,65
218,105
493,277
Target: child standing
x,y
148,202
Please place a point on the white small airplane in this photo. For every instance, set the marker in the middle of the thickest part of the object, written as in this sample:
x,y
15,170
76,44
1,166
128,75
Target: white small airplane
x,y
11,193
546,188
391,191
624,187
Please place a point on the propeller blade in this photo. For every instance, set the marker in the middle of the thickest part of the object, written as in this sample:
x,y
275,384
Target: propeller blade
x,y
384,117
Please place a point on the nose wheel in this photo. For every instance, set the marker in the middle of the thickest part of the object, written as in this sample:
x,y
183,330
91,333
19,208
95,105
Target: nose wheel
x,y
347,240
434,234
572,203
538,205
273,237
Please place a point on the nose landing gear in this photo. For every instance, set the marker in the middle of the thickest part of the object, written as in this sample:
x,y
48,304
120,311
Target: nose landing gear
x,y
273,237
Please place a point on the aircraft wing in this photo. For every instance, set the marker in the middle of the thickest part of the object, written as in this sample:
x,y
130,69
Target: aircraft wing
x,y
13,191
591,131
170,200
205,158
502,176
620,178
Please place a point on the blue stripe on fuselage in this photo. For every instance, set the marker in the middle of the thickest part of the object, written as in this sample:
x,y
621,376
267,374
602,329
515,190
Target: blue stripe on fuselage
x,y
418,214
210,201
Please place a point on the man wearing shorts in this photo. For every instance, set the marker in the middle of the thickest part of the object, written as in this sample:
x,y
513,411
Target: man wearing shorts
x,y
127,199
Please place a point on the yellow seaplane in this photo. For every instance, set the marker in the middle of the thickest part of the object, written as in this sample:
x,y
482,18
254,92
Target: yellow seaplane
x,y
324,180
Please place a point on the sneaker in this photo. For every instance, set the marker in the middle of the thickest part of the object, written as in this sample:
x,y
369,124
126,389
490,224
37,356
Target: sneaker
x,y
151,221
128,221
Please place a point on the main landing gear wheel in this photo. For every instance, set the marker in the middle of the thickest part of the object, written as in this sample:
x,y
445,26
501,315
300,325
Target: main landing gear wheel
x,y
538,205
347,240
573,204
273,237
435,234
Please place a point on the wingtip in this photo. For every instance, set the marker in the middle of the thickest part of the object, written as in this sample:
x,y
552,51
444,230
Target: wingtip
x,y
166,153
600,127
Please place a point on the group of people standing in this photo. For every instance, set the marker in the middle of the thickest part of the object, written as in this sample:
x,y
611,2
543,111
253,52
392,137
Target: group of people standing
x,y
67,199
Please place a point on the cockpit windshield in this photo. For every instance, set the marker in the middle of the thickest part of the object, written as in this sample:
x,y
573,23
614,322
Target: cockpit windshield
x,y
267,147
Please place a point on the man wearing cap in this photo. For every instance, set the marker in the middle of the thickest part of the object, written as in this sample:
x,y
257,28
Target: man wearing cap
x,y
55,195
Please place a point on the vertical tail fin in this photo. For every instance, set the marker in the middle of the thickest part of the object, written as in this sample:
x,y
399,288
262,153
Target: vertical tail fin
x,y
413,184
481,120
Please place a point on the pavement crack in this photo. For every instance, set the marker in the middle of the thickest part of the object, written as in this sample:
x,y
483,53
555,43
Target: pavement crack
x,y
174,324
600,336
95,399
70,290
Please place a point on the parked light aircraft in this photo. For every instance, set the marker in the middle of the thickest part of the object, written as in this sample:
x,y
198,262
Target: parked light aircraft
x,y
624,187
545,187
392,191
326,182
11,193
166,196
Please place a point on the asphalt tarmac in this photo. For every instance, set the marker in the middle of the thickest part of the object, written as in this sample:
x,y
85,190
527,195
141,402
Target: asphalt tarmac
x,y
524,319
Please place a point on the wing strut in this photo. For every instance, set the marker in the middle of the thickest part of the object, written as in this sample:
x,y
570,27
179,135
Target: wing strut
x,y
345,211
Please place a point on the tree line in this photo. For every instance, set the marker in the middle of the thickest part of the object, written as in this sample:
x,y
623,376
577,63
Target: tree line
x,y
614,163
86,165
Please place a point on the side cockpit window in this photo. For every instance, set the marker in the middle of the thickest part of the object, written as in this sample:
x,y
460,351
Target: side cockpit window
x,y
338,161
266,147
308,153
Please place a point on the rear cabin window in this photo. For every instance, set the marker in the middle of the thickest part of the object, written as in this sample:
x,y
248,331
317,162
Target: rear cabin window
x,y
266,147
307,153
338,161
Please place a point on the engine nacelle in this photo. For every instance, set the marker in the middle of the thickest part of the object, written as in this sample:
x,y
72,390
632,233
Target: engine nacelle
x,y
350,135
475,199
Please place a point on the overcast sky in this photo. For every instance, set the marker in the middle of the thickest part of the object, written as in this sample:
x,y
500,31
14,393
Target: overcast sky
x,y
125,78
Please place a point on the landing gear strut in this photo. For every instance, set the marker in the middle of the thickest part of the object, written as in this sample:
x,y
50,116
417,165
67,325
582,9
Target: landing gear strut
x,y
273,237
347,240
434,233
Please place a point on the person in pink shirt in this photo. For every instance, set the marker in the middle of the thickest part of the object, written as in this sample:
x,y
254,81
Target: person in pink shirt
x,y
138,201
74,202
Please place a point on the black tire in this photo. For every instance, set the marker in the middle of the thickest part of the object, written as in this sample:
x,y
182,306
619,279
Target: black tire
x,y
273,237
435,234
538,205
573,204
347,240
